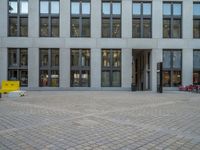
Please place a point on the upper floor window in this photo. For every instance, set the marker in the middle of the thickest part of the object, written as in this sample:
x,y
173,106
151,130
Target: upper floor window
x,y
142,20
111,18
80,18
196,20
172,20
18,18
49,18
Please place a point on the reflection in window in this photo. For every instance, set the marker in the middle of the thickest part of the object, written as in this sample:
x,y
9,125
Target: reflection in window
x,y
111,68
147,9
176,28
24,7
166,28
55,7
111,19
196,9
172,68
13,8
80,67
196,77
147,28
196,59
136,28
136,8
13,27
167,9
18,65
177,9
49,67
80,18
55,27
23,26
44,29
196,20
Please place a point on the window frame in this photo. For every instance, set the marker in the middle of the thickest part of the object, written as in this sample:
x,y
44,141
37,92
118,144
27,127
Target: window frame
x,y
142,17
110,17
173,17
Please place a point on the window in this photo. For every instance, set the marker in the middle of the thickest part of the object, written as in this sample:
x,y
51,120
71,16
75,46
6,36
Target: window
x,y
49,18
111,68
172,20
196,20
80,18
80,67
49,67
18,65
111,18
196,67
18,18
172,68
141,21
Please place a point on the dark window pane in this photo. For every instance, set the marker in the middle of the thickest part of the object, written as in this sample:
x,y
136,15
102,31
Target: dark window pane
x,y
116,33
176,29
147,28
196,77
106,27
167,9
167,59
85,27
12,57
54,78
55,7
177,59
106,9
116,8
75,31
54,57
23,57
136,28
85,79
116,54
116,79
13,9
106,58
136,8
196,28
146,8
23,26
12,75
85,59
55,27
44,57
176,80
24,7
44,27
75,78
75,58
166,28
44,78
196,60
105,77
44,7
177,9
12,26
24,77
166,79
196,9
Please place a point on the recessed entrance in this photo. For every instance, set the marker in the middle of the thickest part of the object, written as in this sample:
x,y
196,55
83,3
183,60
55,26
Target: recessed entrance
x,y
141,69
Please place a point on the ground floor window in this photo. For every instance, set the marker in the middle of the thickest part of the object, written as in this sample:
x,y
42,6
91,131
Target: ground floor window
x,y
80,68
172,68
196,67
111,68
49,67
18,65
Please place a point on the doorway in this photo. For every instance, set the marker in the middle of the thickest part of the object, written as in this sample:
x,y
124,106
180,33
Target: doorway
x,y
141,69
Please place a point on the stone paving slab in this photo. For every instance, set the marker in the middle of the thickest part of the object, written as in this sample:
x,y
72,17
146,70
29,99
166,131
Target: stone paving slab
x,y
81,120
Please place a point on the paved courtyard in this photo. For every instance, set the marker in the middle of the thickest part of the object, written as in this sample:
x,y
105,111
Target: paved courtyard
x,y
100,120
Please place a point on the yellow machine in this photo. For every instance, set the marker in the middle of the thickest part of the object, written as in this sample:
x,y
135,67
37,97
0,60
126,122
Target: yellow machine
x,y
9,86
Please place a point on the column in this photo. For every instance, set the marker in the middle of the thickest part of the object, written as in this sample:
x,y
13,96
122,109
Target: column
x,y
64,68
187,66
156,56
126,68
126,19
157,19
4,18
187,22
3,64
65,18
95,18
33,18
95,68
33,67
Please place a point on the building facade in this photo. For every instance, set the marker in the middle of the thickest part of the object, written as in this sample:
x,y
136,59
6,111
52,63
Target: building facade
x,y
99,44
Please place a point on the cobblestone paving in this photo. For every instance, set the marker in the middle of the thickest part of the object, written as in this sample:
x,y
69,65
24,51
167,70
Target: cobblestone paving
x,y
79,120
